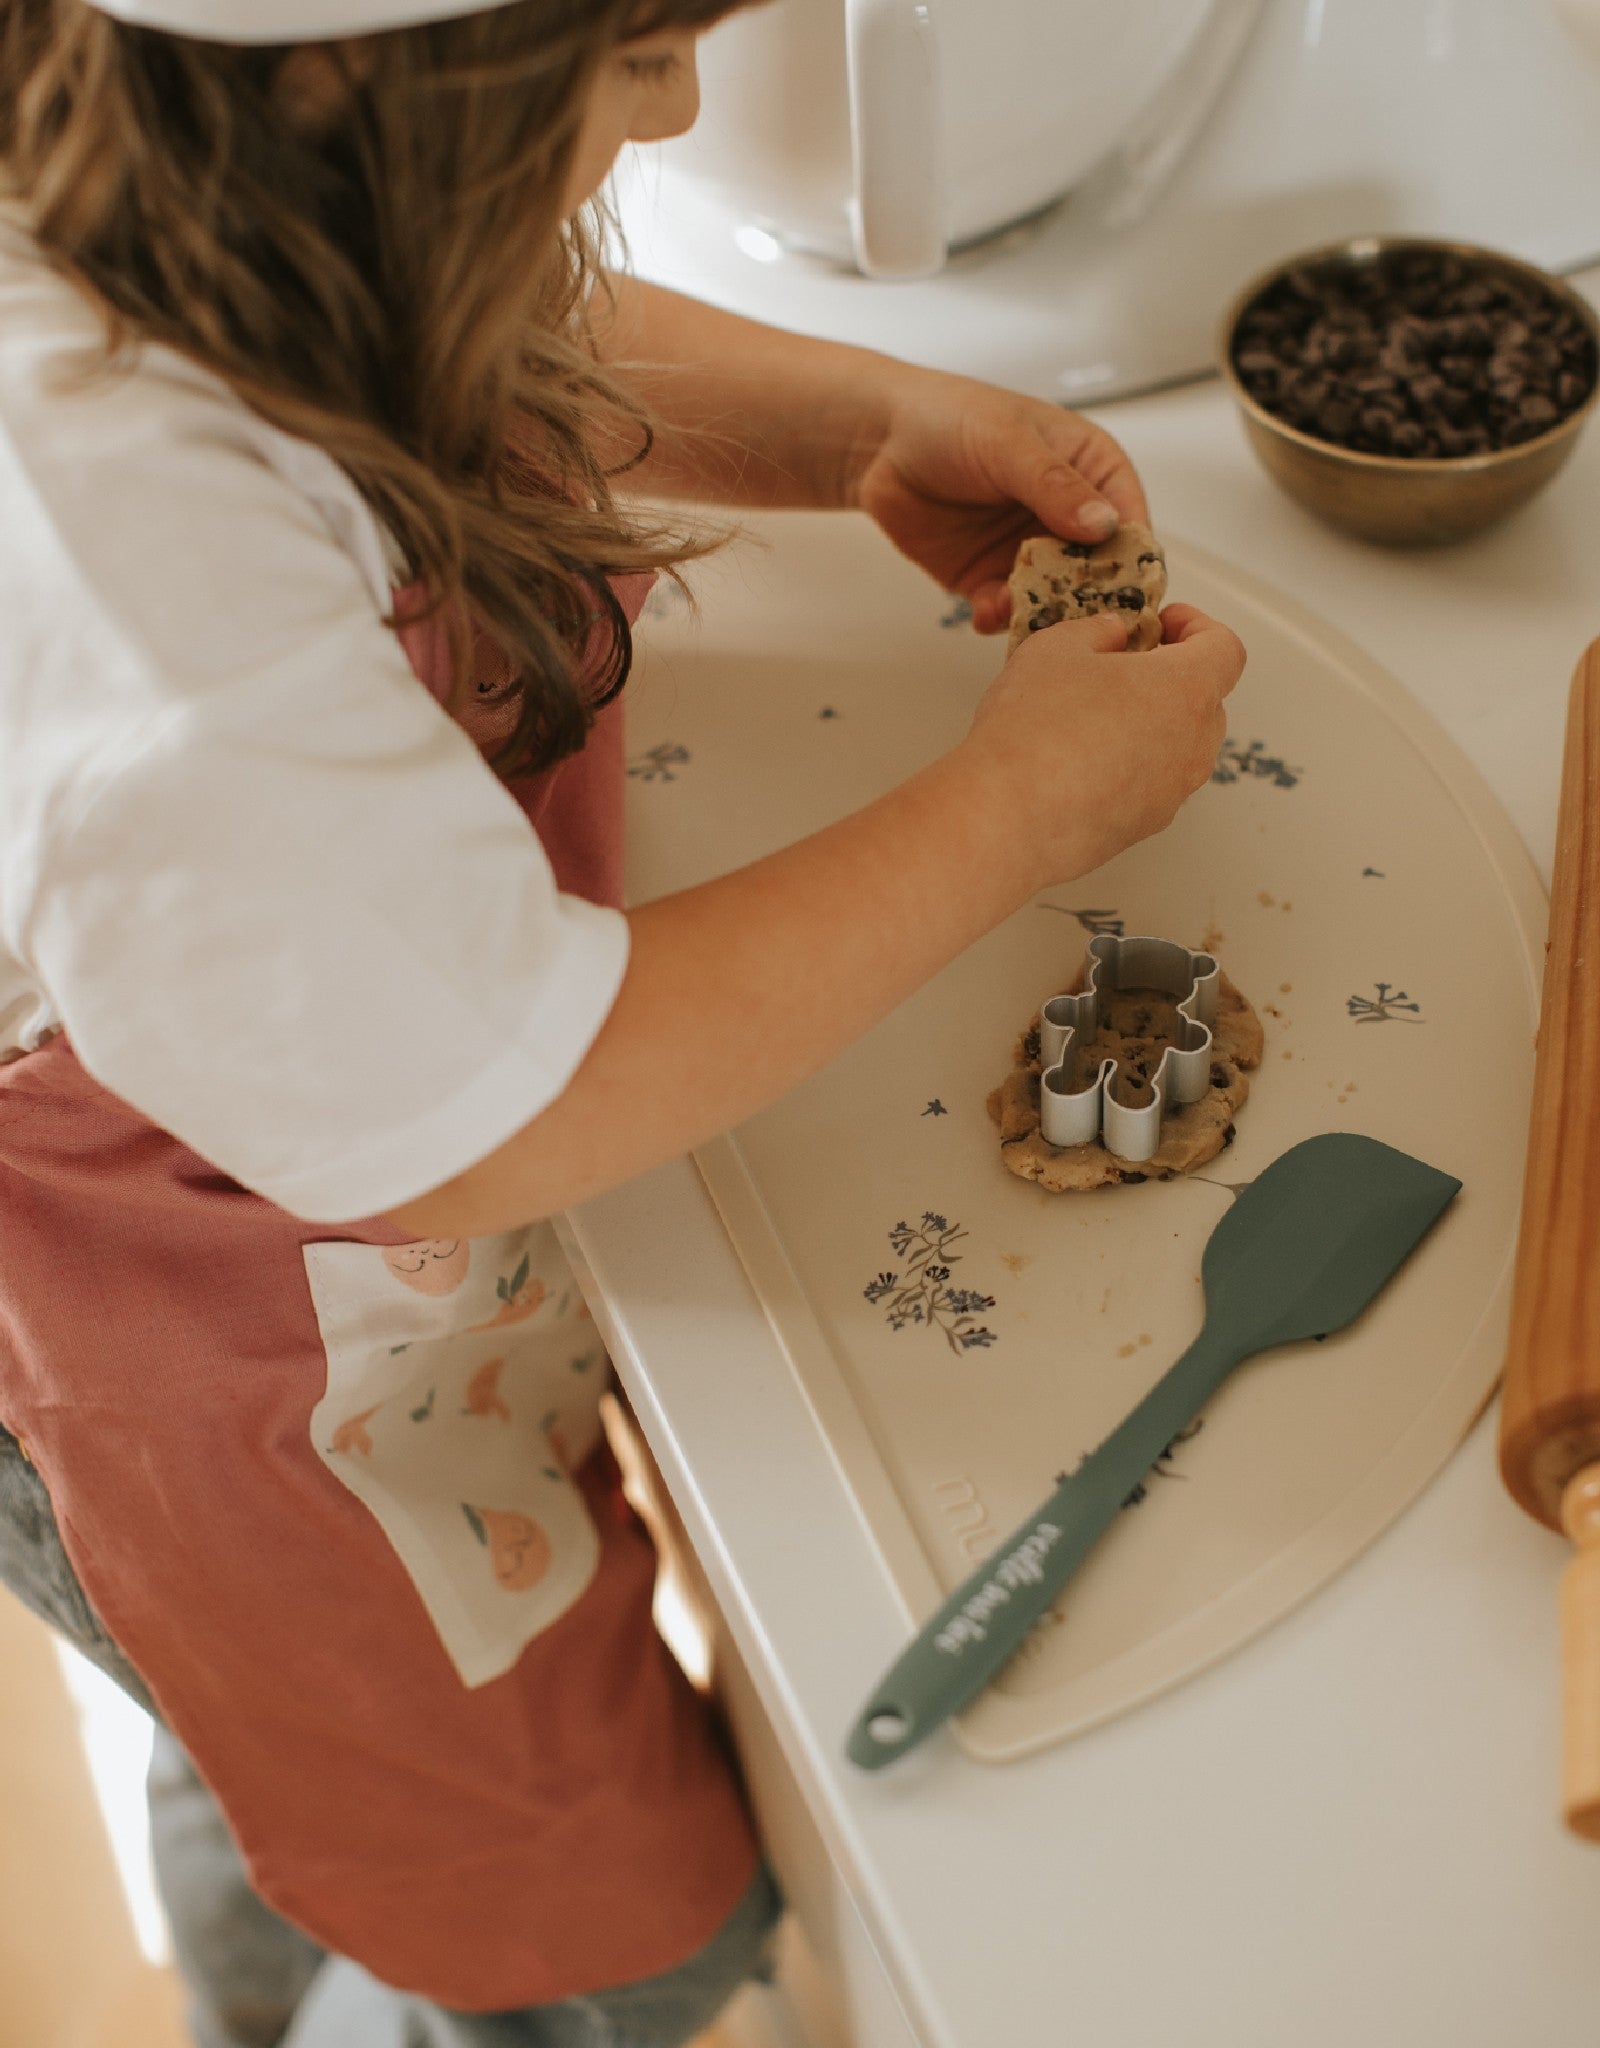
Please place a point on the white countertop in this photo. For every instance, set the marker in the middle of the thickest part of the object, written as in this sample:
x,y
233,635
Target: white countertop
x,y
1344,1833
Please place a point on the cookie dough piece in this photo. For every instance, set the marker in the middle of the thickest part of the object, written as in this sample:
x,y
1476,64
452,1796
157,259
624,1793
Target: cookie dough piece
x,y
1190,1135
1068,579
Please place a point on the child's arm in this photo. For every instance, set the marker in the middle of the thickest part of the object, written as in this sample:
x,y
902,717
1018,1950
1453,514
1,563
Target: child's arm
x,y
738,989
767,417
955,471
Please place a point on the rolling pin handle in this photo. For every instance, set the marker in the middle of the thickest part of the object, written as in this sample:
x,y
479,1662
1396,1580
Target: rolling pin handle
x,y
1580,1656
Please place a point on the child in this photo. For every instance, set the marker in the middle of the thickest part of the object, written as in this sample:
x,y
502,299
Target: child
x,y
314,995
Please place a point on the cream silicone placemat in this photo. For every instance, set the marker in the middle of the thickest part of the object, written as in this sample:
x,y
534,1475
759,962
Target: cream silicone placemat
x,y
964,1337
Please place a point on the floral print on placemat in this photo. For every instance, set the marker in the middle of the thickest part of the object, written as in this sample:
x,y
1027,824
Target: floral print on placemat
x,y
1385,1005
1243,764
921,1292
1161,1469
659,763
1094,922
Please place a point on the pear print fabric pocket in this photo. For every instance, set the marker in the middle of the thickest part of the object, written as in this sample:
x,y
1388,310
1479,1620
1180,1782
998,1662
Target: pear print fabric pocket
x,y
464,1377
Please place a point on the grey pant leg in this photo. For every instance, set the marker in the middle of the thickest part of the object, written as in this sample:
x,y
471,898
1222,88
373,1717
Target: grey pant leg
x,y
36,1568
347,2008
244,1967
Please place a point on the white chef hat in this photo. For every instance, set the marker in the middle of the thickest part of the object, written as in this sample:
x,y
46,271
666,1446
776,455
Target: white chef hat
x,y
283,21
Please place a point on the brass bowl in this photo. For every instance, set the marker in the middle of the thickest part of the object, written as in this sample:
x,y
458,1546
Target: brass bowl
x,y
1396,498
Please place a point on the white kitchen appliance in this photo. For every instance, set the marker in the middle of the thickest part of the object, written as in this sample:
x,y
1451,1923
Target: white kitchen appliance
x,y
883,132
1064,196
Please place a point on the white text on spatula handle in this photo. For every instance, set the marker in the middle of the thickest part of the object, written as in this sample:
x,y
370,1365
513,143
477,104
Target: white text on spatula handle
x,y
1018,1568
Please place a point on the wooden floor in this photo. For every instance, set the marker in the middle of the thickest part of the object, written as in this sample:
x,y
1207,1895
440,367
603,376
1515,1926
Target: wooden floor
x,y
69,1958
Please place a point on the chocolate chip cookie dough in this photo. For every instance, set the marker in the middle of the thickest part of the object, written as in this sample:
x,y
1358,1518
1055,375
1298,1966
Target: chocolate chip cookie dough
x,y
1136,1026
1055,579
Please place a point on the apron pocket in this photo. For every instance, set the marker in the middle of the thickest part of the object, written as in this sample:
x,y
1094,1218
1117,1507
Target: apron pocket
x,y
464,1377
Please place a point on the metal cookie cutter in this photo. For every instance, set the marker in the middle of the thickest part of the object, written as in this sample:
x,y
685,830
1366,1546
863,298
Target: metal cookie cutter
x,y
1120,1109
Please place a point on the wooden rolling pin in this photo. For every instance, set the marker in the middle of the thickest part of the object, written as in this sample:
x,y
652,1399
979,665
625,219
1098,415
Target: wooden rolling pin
x,y
1550,1416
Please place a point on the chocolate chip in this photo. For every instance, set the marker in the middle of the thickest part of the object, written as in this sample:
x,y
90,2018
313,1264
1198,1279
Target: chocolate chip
x,y
1416,353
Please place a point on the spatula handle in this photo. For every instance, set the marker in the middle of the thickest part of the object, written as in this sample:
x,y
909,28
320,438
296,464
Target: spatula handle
x,y
983,1623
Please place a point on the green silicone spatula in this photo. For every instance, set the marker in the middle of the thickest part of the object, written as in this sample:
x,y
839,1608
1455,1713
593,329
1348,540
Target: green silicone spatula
x,y
1300,1254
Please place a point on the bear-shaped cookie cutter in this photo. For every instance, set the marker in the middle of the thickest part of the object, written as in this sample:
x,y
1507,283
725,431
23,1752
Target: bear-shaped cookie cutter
x,y
1121,1110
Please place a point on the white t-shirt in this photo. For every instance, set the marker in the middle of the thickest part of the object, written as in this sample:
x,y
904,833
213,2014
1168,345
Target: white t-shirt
x,y
271,890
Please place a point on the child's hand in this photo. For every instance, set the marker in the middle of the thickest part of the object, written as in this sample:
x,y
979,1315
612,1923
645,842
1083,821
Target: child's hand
x,y
1091,748
964,472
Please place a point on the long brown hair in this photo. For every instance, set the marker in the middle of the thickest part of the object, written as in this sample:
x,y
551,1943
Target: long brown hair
x,y
394,283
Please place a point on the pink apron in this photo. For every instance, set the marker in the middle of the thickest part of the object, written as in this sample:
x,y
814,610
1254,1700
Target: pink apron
x,y
342,1502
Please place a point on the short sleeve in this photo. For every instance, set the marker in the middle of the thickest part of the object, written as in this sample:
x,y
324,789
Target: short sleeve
x,y
330,956
274,894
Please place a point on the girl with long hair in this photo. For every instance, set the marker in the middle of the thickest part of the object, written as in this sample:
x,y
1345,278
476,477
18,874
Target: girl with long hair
x,y
325,447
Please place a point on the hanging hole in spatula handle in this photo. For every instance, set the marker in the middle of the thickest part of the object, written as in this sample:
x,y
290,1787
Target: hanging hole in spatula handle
x,y
976,1632
887,1727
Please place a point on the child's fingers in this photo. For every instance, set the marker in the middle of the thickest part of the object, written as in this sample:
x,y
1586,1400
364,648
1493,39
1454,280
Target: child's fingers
x,y
1044,470
1190,636
1105,632
1178,621
1096,462
1101,633
991,607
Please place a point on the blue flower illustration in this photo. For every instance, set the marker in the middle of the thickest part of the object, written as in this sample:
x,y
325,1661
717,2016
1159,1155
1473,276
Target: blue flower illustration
x,y
1239,764
921,1295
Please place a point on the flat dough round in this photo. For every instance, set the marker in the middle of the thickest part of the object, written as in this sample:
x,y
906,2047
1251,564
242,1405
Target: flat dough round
x,y
1055,579
1190,1135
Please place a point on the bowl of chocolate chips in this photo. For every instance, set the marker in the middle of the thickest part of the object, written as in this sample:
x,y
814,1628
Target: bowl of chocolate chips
x,y
1409,390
